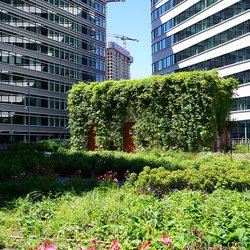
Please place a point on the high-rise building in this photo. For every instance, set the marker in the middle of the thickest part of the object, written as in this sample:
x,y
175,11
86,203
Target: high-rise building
x,y
118,62
45,47
204,35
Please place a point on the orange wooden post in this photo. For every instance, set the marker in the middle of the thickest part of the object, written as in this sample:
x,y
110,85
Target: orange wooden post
x,y
128,142
224,139
91,138
213,146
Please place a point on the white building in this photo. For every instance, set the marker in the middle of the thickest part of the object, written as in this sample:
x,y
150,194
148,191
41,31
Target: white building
x,y
203,35
118,62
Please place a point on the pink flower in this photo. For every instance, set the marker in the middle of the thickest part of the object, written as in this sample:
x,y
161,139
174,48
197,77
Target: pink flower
x,y
91,248
93,241
166,239
144,245
51,247
46,246
115,245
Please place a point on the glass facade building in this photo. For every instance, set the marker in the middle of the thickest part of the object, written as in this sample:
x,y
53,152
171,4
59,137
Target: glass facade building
x,y
204,35
45,47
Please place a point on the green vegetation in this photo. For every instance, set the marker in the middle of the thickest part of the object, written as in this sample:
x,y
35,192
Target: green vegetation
x,y
71,199
62,198
25,171
193,220
242,149
22,172
206,178
48,145
177,111
10,189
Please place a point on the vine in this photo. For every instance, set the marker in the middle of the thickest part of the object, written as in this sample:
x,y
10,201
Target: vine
x,y
183,110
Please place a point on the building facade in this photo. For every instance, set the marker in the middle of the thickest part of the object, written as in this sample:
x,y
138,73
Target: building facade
x,y
204,35
45,47
118,62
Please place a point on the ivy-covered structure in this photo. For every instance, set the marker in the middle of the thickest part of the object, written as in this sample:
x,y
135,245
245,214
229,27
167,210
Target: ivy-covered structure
x,y
183,111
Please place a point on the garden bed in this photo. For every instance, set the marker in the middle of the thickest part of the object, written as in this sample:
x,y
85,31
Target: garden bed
x,y
190,219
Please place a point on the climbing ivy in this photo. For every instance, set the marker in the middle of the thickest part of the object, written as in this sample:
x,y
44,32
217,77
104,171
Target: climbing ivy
x,y
183,110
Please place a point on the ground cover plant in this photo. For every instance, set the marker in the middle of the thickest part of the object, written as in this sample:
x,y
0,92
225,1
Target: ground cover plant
x,y
120,218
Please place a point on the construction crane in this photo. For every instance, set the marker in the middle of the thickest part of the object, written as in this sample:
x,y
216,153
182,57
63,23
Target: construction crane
x,y
112,1
124,39
106,10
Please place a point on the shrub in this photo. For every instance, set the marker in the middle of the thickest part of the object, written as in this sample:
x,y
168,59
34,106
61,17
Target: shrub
x,y
206,178
46,145
90,163
93,164
242,148
10,189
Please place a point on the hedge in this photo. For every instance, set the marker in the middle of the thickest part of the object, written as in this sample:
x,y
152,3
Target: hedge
x,y
206,178
65,164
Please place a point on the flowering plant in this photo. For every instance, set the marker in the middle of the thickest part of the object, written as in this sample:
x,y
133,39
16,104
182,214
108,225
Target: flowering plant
x,y
115,244
46,246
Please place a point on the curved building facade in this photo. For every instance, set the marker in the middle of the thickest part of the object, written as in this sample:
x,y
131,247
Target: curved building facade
x,y
204,35
46,47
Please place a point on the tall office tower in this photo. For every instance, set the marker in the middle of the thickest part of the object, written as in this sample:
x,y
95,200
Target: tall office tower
x,y
203,35
46,46
118,62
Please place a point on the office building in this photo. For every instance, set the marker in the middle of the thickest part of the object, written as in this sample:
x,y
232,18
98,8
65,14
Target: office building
x,y
46,46
118,62
204,35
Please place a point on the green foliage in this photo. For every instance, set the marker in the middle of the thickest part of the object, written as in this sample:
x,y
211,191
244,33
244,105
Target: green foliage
x,y
241,148
206,178
10,189
182,110
25,172
46,145
15,165
194,220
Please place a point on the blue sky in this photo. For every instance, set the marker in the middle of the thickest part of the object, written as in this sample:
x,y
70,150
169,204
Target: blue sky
x,y
132,19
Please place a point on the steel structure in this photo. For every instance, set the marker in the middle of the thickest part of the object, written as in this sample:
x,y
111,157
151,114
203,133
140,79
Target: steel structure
x,y
124,39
